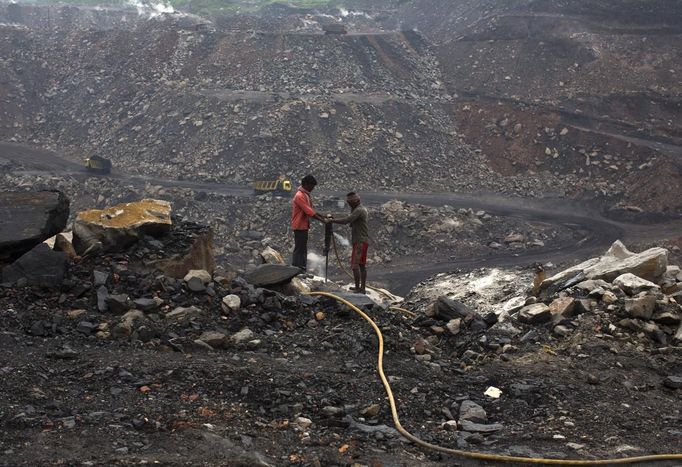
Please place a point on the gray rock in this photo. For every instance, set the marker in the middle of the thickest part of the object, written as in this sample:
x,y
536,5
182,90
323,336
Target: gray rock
x,y
590,285
677,338
28,218
213,338
195,284
673,382
561,330
99,278
183,312
371,429
252,235
41,266
271,274
471,411
583,306
229,450
102,295
242,336
521,389
361,301
448,309
641,307
146,304
118,303
473,427
86,327
537,313
633,285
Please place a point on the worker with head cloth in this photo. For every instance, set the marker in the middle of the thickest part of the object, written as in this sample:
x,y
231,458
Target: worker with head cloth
x,y
358,220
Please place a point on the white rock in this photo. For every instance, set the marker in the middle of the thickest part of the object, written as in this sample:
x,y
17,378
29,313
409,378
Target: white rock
x,y
632,285
454,326
242,336
649,265
303,423
201,274
231,303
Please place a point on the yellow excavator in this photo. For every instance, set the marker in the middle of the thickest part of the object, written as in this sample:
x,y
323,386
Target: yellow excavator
x,y
281,186
97,164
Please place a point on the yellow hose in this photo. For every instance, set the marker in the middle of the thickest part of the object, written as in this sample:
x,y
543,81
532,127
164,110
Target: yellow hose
x,y
478,455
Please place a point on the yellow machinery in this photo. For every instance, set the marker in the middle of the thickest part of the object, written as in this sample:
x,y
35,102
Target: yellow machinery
x,y
98,164
281,186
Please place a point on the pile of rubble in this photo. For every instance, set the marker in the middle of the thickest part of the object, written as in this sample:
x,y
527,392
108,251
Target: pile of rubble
x,y
640,292
620,295
133,269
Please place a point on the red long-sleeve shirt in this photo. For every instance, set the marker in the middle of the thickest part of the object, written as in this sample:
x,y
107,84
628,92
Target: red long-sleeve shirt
x,y
302,210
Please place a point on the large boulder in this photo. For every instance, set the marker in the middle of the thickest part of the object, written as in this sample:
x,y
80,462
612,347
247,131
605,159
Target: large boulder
x,y
650,265
116,228
29,218
41,266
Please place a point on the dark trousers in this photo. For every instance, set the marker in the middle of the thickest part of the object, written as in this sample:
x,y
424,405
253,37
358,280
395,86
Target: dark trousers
x,y
300,257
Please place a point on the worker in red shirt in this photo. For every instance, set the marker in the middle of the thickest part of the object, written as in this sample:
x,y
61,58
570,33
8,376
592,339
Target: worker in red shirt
x,y
302,211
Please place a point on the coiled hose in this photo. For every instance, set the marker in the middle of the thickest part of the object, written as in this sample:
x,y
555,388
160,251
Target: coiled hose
x,y
469,454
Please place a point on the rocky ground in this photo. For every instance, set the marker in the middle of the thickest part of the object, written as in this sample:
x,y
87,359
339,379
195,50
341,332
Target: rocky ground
x,y
383,107
112,364
175,345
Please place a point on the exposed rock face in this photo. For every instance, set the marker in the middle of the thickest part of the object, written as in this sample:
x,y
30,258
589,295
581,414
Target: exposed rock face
x,y
650,265
41,266
28,218
118,227
197,255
